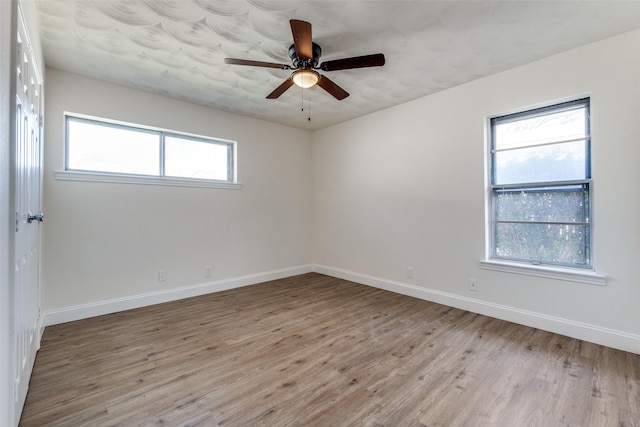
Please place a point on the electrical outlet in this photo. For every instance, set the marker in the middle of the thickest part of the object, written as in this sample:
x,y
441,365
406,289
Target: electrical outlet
x,y
208,272
410,272
162,276
473,285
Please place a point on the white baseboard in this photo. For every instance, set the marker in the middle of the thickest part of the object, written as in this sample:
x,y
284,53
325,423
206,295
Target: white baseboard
x,y
584,331
84,311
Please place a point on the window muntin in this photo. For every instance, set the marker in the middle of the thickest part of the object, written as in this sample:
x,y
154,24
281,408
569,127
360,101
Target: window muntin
x,y
540,186
95,145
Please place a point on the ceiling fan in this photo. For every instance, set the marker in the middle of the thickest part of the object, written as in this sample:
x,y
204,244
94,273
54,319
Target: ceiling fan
x,y
304,55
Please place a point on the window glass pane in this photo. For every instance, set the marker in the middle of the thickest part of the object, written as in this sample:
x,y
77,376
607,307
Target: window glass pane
x,y
188,158
557,204
110,148
546,243
548,163
539,129
540,185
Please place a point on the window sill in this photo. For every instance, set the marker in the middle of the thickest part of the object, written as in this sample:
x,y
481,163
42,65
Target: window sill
x,y
572,275
143,180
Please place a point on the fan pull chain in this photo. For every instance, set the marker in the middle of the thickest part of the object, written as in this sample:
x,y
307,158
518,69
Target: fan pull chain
x,y
308,102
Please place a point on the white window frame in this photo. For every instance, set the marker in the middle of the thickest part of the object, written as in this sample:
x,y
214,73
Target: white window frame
x,y
160,179
576,273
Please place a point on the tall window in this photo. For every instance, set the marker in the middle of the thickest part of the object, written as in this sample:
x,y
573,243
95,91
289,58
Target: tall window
x,y
100,146
540,186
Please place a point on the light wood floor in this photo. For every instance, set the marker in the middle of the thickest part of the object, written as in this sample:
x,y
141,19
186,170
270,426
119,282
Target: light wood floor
x,y
318,351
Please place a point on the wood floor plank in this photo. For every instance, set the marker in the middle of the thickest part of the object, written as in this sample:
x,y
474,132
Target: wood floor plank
x,y
312,350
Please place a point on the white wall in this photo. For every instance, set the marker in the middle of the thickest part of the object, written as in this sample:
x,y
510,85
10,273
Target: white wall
x,y
406,187
104,242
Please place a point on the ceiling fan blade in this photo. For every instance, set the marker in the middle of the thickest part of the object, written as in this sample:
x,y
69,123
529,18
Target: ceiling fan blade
x,y
332,88
234,61
280,89
375,60
301,31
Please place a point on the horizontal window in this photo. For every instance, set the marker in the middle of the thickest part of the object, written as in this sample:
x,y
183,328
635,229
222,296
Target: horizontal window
x,y
99,146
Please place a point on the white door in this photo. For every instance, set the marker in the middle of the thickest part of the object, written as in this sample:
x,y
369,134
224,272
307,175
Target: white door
x,y
27,172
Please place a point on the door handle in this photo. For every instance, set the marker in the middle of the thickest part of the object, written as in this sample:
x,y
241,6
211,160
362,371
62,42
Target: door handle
x,y
35,217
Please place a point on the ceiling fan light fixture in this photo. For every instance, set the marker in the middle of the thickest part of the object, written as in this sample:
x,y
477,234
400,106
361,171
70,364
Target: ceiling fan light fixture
x,y
305,78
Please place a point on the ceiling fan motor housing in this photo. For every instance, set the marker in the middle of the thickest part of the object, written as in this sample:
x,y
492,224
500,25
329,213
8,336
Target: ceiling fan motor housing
x,y
305,63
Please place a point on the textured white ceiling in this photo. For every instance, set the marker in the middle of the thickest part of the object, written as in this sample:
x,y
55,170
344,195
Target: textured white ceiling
x,y
177,47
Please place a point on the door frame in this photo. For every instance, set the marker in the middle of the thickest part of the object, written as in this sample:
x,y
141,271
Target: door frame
x,y
8,28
